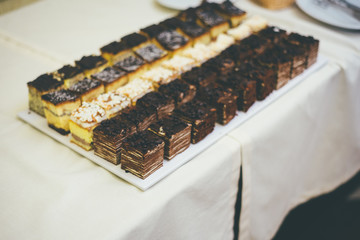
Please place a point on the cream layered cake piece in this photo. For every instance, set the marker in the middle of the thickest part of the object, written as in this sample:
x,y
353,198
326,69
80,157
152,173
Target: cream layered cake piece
x,y
113,103
221,43
136,89
256,23
41,85
58,107
142,154
179,64
159,76
240,32
175,133
82,122
133,65
88,89
111,78
69,75
115,51
92,64
200,53
108,137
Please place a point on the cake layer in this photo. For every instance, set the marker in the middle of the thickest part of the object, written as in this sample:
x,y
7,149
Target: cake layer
x,y
162,104
88,89
69,75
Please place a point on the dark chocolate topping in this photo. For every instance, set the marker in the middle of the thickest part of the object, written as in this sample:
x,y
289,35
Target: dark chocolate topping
x,y
176,89
134,39
114,127
154,99
139,114
209,17
150,52
153,30
169,126
194,110
45,83
302,39
192,29
108,75
114,47
188,15
271,32
90,62
130,63
229,8
69,71
84,85
171,39
59,96
143,141
199,76
171,23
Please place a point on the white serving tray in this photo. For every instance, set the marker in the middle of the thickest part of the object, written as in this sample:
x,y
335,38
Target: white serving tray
x,y
169,166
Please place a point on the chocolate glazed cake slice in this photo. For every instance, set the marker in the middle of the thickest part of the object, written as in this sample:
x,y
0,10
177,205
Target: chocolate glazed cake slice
x,y
142,154
179,90
108,138
163,105
141,117
200,115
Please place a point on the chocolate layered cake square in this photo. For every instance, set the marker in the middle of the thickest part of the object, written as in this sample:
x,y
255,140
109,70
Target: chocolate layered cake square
x,y
134,40
272,34
142,154
152,54
179,90
229,11
133,65
111,78
82,122
141,117
115,51
58,107
298,56
172,40
209,18
221,64
41,85
200,115
109,136
239,53
163,104
309,43
222,99
92,64
88,89
199,76
255,43
175,133
243,87
69,75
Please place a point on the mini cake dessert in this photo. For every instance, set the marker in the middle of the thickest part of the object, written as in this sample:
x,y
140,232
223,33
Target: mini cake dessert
x,y
69,75
179,90
111,78
92,64
239,53
200,53
199,76
140,117
256,44
58,106
243,87
229,11
172,41
310,44
159,75
162,104
256,23
152,31
222,99
175,133
115,51
240,32
82,122
87,89
38,87
134,40
152,54
298,55
113,103
201,116
209,18
188,15
179,64
142,154
136,89
109,136
195,32
221,43
133,65
221,64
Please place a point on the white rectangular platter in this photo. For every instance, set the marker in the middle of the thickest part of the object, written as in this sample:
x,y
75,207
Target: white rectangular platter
x,y
169,166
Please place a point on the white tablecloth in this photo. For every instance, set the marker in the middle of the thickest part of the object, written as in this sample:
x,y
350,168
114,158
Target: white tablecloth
x,y
304,144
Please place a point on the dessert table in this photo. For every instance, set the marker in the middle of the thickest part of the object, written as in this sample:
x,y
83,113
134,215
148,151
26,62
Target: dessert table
x,y
304,144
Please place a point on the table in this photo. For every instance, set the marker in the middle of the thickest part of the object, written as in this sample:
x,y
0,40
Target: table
x,y
49,192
